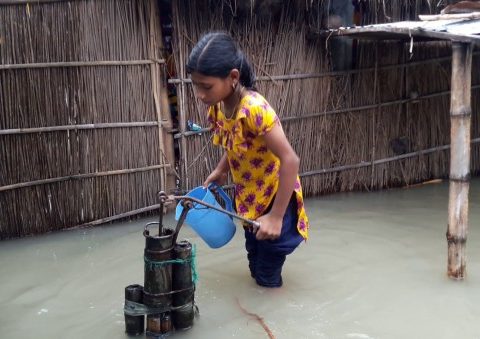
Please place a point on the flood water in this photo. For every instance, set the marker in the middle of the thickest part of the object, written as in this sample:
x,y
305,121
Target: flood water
x,y
374,267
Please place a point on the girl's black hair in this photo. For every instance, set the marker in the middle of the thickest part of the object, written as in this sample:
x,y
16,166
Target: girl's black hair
x,y
216,54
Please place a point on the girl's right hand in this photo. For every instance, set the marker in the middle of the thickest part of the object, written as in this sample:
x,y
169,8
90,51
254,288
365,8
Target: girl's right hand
x,y
217,177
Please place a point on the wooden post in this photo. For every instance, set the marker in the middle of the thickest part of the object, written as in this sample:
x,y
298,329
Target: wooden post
x,y
460,116
160,94
375,99
164,114
155,74
181,100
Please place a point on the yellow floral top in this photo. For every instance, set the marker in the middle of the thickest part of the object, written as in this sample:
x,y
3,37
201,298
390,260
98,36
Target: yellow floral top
x,y
254,167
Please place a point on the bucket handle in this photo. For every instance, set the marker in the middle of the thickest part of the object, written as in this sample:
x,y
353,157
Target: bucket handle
x,y
225,197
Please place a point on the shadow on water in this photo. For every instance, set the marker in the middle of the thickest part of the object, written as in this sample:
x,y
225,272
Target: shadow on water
x,y
374,267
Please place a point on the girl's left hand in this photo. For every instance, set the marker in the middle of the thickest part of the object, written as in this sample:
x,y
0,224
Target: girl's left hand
x,y
270,227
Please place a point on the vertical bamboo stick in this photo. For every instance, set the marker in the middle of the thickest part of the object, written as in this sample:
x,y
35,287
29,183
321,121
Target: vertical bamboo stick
x,y
155,85
167,125
374,111
405,109
163,112
460,116
181,96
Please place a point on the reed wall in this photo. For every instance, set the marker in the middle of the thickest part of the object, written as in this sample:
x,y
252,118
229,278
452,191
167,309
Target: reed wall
x,y
82,129
383,123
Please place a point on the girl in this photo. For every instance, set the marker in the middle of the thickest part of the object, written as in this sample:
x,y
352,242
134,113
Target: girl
x,y
263,165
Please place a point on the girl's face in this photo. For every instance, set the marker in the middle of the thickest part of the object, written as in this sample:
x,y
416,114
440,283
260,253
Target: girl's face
x,y
211,90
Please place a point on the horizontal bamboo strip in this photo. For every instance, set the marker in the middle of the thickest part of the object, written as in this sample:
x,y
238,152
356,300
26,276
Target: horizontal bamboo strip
x,y
343,110
81,176
82,64
33,2
79,127
335,73
369,163
382,161
367,107
118,216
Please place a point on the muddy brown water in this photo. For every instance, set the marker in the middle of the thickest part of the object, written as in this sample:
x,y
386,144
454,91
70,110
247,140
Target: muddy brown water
x,y
374,267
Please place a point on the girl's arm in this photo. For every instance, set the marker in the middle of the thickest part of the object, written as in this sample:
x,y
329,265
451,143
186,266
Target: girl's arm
x,y
219,174
271,223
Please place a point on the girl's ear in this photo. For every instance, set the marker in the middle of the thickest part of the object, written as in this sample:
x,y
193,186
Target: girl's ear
x,y
235,77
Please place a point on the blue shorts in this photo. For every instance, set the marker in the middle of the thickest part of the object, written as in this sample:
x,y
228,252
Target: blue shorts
x,y
266,257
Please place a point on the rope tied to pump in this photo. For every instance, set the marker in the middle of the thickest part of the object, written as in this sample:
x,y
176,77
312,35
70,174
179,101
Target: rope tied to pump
x,y
192,259
136,309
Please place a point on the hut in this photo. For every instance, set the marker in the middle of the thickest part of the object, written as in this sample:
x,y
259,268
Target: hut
x,y
88,135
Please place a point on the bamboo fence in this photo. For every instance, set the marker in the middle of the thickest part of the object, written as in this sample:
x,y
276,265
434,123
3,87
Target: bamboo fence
x,y
383,124
82,113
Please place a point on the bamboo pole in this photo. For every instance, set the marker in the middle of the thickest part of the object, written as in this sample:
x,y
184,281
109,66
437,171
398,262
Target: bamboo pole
x,y
81,176
14,131
116,217
164,115
374,112
460,117
82,64
381,161
339,111
181,99
155,75
33,2
369,163
302,76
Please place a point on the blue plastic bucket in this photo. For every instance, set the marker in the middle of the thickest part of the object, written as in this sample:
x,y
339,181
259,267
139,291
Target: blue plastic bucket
x,y
214,227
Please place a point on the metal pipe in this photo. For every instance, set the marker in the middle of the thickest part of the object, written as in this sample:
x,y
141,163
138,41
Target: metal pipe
x,y
233,215
162,197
